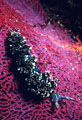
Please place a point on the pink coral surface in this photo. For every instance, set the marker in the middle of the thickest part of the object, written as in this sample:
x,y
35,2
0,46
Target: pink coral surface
x,y
55,51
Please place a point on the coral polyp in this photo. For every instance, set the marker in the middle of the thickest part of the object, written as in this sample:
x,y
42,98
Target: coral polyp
x,y
25,64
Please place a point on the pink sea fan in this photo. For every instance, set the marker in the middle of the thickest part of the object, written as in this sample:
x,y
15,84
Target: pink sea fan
x,y
55,51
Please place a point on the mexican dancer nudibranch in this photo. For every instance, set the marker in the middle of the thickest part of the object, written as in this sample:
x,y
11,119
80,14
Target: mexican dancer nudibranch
x,y
26,65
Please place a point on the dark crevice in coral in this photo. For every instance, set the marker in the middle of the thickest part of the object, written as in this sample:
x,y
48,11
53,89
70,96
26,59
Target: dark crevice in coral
x,y
67,13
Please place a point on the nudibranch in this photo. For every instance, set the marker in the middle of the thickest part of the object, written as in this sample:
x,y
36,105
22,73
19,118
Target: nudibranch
x,y
26,65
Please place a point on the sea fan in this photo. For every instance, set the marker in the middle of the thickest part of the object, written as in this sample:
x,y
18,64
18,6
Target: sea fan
x,y
55,51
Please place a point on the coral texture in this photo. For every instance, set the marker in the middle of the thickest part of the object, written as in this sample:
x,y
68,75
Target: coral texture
x,y
56,52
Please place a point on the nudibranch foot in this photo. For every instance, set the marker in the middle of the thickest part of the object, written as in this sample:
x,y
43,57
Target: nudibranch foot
x,y
55,98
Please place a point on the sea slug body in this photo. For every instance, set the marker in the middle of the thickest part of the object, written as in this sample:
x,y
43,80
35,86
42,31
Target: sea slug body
x,y
26,65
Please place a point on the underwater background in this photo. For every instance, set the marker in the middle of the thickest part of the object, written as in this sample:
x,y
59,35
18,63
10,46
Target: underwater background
x,y
57,45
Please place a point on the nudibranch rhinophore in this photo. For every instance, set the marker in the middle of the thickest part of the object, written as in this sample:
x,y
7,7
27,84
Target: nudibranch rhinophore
x,y
26,65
